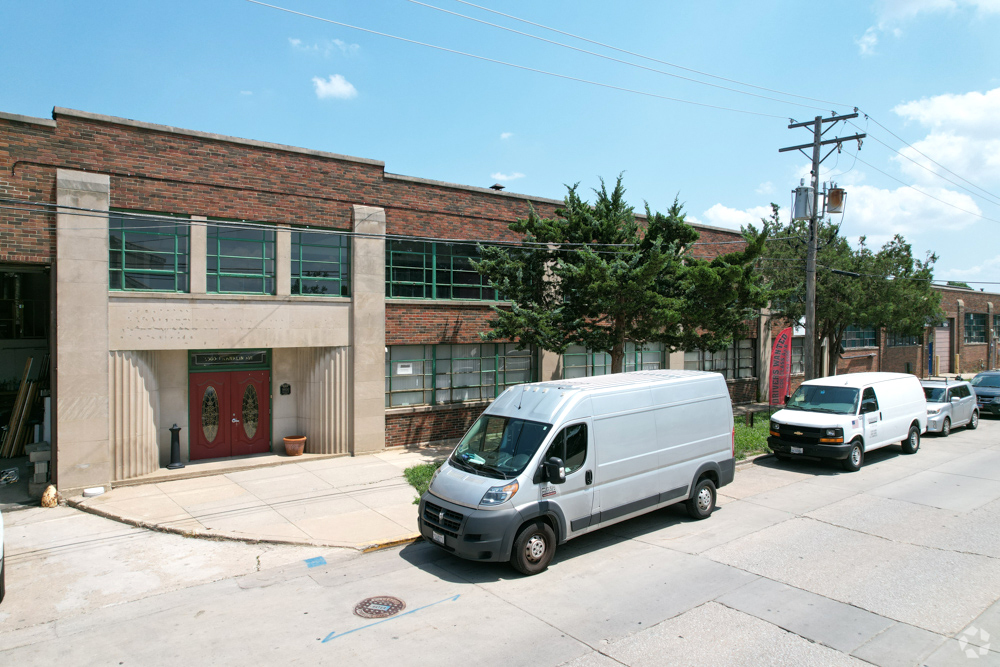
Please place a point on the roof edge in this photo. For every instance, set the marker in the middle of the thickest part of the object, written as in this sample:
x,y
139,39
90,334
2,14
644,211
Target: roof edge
x,y
169,129
470,188
18,118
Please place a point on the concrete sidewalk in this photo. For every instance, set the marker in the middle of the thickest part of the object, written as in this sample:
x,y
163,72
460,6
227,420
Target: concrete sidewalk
x,y
358,502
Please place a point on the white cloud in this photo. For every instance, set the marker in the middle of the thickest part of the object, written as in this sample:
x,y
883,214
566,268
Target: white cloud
x,y
765,188
336,87
325,48
506,135
964,136
246,92
904,211
990,265
734,218
506,177
868,41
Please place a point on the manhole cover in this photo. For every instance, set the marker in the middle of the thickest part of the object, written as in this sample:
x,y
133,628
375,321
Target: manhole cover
x,y
379,607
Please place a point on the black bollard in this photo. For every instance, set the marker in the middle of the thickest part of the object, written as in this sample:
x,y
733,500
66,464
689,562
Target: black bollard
x,y
175,448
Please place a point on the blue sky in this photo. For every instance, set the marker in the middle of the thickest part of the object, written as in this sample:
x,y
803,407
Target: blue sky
x,y
921,68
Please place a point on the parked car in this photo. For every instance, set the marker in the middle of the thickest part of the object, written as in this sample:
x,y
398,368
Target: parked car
x,y
845,416
549,461
987,388
950,403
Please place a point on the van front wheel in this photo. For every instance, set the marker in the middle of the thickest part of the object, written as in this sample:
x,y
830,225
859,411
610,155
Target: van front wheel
x,y
912,442
702,500
534,548
854,460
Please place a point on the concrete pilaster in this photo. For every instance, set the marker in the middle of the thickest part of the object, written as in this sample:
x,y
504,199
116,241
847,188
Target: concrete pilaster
x,y
367,408
549,366
675,360
80,368
283,261
198,261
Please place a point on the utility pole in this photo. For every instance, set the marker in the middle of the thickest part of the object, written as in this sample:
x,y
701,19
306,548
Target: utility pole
x,y
809,348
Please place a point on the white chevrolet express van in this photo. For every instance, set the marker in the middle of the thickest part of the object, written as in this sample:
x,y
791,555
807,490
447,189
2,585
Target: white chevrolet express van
x,y
550,461
844,416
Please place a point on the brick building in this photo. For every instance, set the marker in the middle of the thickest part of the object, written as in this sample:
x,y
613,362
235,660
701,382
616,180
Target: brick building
x,y
247,291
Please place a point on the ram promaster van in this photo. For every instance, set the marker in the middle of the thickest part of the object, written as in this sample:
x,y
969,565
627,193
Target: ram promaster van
x,y
845,416
550,461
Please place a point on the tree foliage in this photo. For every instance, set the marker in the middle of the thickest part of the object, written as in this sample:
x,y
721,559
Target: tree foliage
x,y
892,288
594,276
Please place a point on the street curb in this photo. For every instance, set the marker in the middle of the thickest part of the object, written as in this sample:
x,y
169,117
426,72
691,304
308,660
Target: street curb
x,y
750,461
378,546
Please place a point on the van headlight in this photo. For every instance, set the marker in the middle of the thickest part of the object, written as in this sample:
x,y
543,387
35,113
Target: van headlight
x,y
498,495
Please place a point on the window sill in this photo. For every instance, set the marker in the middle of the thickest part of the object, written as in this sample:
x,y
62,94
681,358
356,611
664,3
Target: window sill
x,y
418,409
444,302
977,343
183,296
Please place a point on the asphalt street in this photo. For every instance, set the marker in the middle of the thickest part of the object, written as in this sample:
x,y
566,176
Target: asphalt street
x,y
802,564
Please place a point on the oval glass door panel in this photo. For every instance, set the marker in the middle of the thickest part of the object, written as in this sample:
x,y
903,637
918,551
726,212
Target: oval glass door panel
x,y
210,414
250,411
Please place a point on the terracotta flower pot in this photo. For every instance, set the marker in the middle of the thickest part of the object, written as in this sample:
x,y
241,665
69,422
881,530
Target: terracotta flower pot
x,y
295,445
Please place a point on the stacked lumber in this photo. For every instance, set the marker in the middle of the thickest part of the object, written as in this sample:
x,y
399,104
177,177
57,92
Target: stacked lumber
x,y
16,434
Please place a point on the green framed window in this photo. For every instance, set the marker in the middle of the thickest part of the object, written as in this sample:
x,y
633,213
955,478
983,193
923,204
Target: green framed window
x,y
894,339
240,259
321,263
580,362
975,327
148,253
859,337
441,374
736,361
432,270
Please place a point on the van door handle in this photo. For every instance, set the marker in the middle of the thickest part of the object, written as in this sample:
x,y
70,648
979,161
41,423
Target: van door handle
x,y
589,477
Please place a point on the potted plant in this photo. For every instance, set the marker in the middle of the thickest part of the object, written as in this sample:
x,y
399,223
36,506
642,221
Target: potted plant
x,y
295,445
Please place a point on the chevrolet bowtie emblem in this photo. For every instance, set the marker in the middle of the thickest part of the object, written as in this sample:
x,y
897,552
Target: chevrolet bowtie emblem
x,y
441,516
797,433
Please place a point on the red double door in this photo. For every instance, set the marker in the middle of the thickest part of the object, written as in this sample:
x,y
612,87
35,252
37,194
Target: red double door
x,y
230,414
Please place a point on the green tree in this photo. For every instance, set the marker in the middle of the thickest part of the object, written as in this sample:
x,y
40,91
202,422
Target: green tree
x,y
594,276
855,286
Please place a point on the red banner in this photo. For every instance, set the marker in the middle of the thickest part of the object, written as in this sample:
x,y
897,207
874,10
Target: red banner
x,y
781,367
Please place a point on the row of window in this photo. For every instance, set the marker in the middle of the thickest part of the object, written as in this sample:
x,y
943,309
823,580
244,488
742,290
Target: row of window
x,y
153,255
441,374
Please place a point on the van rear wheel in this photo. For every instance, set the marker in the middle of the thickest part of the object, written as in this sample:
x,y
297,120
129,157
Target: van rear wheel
x,y
912,442
702,500
534,548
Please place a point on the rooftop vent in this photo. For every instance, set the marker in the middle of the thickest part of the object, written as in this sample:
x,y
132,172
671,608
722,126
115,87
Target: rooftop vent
x,y
497,187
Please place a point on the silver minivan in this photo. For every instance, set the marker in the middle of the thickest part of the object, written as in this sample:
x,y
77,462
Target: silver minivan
x,y
550,461
950,403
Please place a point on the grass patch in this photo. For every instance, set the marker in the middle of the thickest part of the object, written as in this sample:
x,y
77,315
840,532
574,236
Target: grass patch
x,y
419,477
751,440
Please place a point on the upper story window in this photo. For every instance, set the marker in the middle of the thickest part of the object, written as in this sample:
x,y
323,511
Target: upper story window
x,y
975,327
433,270
321,263
580,362
897,340
798,355
148,253
859,337
736,361
240,259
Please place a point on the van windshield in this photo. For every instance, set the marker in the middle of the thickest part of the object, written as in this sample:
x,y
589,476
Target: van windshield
x,y
817,398
499,446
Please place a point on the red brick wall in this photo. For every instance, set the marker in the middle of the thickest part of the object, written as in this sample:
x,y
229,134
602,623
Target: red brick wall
x,y
441,423
743,390
429,322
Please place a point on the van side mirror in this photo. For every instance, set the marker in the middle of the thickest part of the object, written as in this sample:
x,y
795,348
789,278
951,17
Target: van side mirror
x,y
788,397
555,470
868,406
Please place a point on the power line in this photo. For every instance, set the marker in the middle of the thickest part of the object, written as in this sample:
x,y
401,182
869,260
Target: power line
x,y
927,194
868,117
655,60
929,170
521,67
617,60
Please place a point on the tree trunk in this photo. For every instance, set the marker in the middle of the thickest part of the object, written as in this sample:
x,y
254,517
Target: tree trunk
x,y
618,357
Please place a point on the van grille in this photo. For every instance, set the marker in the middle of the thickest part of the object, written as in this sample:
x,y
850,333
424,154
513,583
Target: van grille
x,y
449,522
801,434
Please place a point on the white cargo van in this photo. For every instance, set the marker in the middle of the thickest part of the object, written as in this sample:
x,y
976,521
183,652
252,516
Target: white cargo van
x,y
550,461
844,416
